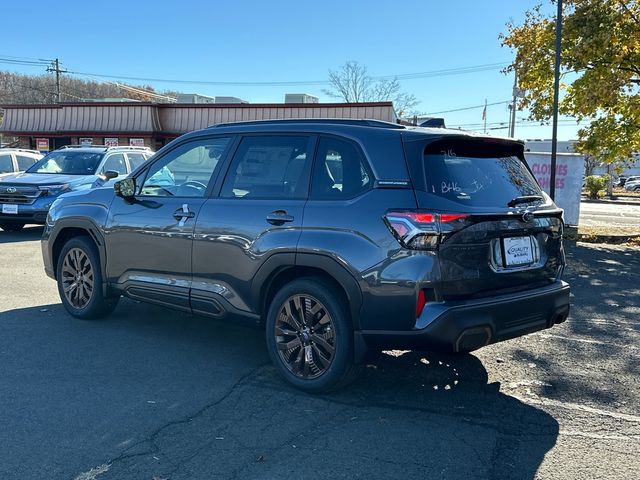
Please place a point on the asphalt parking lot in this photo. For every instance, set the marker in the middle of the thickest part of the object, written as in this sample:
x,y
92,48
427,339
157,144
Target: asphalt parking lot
x,y
153,394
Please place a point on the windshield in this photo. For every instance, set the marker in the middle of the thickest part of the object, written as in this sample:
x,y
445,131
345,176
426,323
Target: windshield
x,y
68,162
476,181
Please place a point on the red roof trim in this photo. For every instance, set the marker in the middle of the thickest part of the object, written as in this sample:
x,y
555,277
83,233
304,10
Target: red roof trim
x,y
197,105
274,105
80,134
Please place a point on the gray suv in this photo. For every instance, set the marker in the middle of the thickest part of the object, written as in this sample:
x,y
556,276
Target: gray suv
x,y
26,197
337,237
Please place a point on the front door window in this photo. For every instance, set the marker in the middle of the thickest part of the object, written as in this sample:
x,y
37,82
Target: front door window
x,y
186,171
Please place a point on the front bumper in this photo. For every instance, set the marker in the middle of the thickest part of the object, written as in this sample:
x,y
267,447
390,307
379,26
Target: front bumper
x,y
30,213
468,325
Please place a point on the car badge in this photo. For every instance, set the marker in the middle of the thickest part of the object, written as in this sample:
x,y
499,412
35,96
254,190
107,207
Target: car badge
x,y
527,217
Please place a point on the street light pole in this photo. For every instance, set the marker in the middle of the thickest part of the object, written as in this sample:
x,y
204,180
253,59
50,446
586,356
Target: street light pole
x,y
556,95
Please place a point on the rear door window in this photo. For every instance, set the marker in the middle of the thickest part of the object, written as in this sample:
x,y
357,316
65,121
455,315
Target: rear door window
x,y
25,162
269,167
136,159
478,181
6,164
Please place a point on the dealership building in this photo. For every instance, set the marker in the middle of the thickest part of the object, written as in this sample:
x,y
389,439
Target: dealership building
x,y
49,126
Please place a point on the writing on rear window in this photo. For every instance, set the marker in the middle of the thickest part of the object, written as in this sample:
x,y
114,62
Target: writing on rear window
x,y
478,181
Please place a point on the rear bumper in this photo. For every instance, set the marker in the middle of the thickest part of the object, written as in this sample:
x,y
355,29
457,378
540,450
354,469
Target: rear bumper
x,y
469,325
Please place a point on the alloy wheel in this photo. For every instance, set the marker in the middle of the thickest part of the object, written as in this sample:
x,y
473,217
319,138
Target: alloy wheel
x,y
77,278
305,336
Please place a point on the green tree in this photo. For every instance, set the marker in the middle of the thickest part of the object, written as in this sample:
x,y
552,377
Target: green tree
x,y
600,71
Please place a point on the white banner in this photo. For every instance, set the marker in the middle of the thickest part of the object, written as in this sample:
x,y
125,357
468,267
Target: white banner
x,y
569,178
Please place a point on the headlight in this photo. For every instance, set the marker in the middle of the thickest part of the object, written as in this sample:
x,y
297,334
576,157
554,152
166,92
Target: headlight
x,y
54,189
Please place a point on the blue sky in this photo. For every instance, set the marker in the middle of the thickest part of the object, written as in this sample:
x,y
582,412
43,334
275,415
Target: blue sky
x,y
253,41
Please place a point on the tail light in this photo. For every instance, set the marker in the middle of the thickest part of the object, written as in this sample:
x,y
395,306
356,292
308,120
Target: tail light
x,y
423,230
422,300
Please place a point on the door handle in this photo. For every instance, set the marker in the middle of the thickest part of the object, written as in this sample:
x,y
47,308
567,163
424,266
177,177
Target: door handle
x,y
183,213
279,217
179,215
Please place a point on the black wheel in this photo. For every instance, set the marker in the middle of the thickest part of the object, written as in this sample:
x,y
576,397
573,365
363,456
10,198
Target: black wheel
x,y
309,336
11,226
80,280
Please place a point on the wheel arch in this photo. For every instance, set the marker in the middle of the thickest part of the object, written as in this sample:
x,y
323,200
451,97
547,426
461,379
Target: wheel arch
x,y
281,269
70,228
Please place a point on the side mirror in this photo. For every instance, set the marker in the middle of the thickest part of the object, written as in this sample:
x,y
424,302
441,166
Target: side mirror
x,y
125,188
109,174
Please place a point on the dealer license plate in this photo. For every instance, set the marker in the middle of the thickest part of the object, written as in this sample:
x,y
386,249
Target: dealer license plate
x,y
9,209
517,251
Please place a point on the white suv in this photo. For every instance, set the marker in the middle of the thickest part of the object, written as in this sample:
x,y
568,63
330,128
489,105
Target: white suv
x,y
14,160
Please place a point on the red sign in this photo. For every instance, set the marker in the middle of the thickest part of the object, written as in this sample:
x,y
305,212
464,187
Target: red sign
x,y
42,144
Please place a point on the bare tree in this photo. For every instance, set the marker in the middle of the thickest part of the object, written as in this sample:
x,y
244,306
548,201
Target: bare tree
x,y
351,83
590,164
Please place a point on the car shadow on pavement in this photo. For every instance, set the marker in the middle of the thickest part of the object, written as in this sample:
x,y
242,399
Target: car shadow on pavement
x,y
30,232
218,408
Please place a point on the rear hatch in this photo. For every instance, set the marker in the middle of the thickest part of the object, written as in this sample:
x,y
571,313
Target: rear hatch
x,y
505,234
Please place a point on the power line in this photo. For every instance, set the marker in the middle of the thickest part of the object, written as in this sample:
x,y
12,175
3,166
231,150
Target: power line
x,y
25,58
464,108
402,76
29,63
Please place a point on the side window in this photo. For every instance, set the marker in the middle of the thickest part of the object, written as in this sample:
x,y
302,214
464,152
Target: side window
x,y
269,167
340,172
185,171
135,160
6,165
25,162
116,163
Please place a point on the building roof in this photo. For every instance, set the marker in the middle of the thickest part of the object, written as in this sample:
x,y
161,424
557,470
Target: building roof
x,y
138,118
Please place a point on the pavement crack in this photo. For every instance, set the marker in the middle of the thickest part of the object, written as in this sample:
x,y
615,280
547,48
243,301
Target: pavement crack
x,y
155,449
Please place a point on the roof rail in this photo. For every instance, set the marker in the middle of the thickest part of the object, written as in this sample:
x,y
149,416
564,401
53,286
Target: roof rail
x,y
25,150
123,147
64,147
128,147
335,121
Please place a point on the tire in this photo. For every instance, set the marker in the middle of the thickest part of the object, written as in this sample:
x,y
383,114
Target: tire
x,y
79,273
309,364
11,226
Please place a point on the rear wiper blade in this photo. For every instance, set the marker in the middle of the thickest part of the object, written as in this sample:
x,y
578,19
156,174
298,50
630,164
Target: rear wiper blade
x,y
524,199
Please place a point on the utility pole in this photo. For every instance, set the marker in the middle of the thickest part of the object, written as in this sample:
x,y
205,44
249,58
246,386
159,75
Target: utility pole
x,y
55,67
556,96
484,115
512,119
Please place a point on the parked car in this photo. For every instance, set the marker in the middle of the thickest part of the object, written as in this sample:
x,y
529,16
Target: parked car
x,y
14,160
338,237
622,180
632,184
26,197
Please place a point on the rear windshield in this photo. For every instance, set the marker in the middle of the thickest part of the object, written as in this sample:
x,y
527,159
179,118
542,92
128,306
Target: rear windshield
x,y
478,181
68,162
